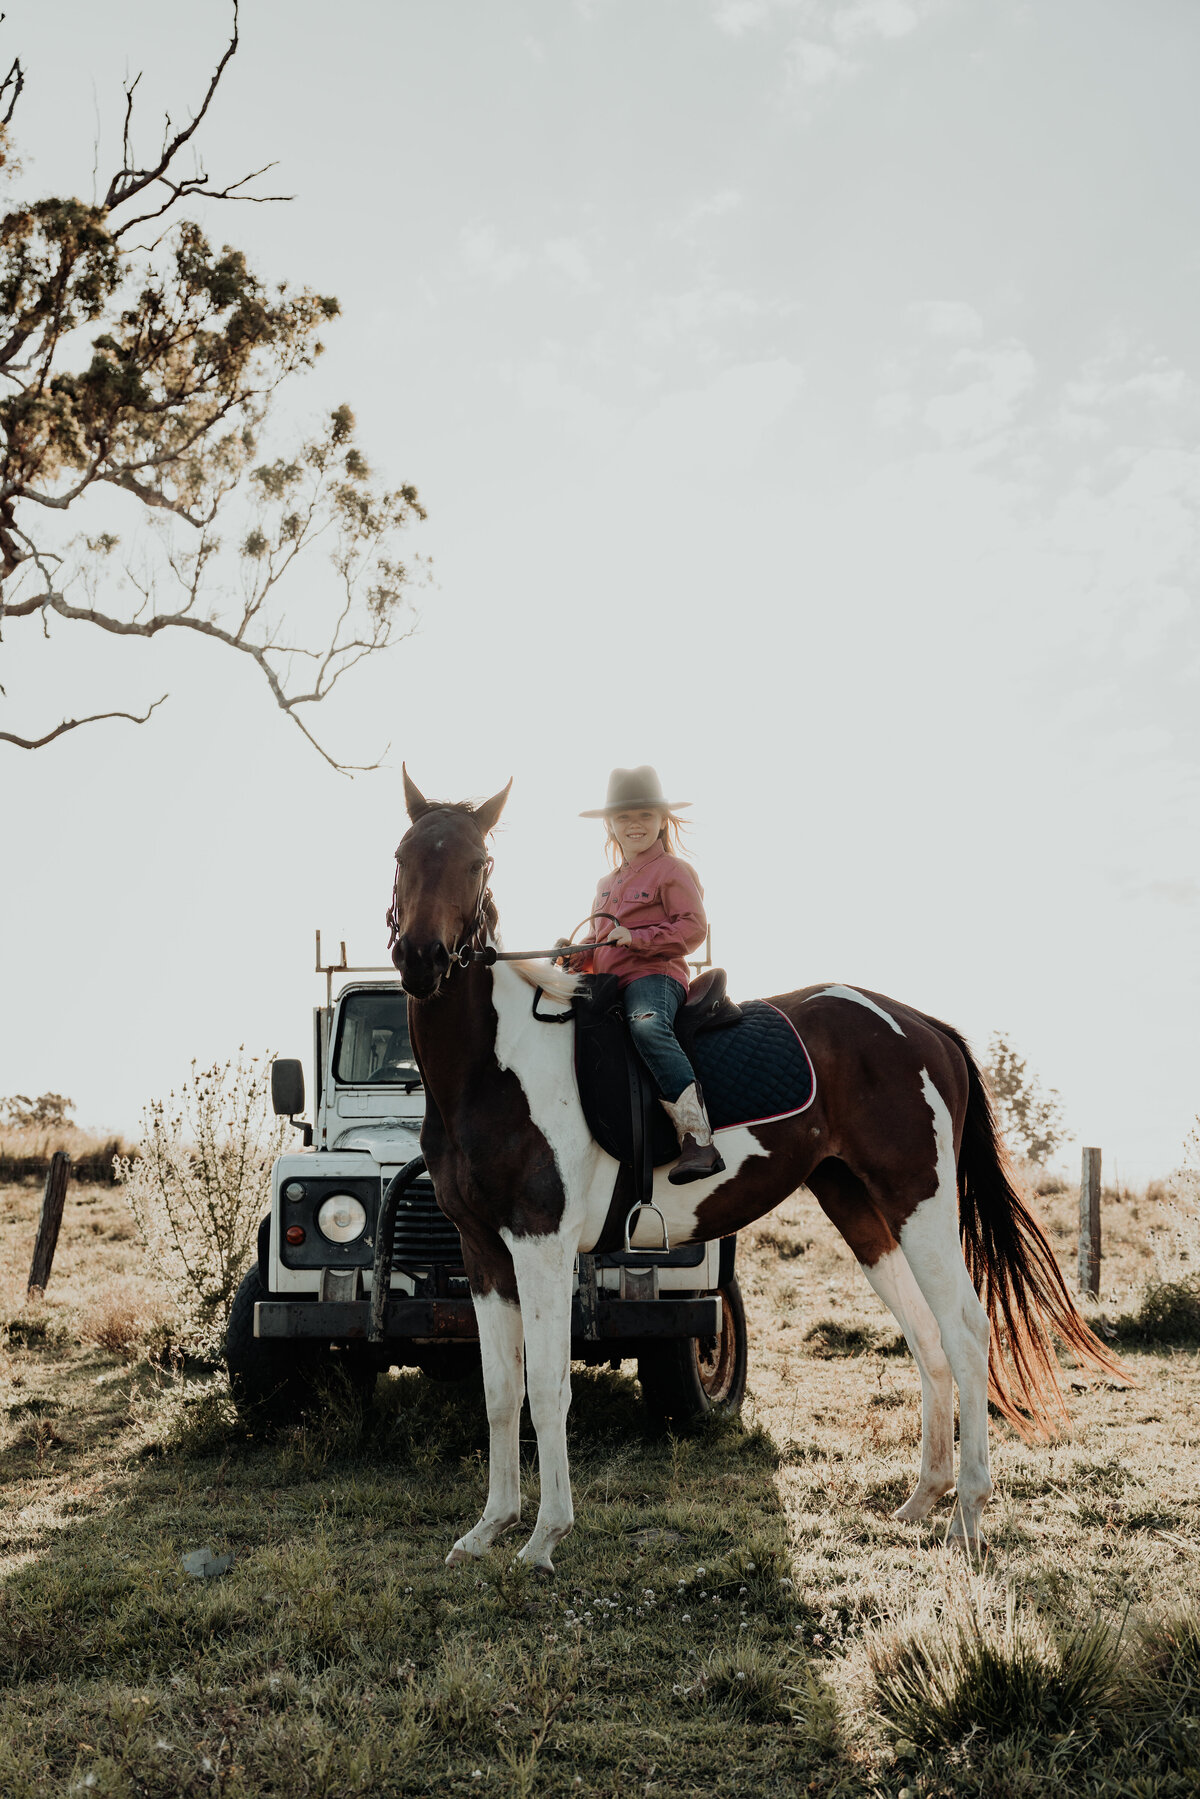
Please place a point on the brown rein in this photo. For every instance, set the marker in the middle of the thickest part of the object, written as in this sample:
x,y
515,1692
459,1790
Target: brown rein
x,y
469,949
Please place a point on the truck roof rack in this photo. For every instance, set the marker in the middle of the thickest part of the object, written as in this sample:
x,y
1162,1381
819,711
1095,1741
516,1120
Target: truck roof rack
x,y
329,969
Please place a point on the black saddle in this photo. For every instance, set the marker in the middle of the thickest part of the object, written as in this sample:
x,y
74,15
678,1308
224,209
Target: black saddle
x,y
619,1097
748,1058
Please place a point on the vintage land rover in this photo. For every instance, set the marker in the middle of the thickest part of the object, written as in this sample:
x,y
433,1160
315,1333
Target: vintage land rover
x,y
303,1310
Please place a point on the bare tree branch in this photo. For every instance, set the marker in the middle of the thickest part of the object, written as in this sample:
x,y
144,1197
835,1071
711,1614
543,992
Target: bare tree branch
x,y
198,184
12,84
73,724
129,181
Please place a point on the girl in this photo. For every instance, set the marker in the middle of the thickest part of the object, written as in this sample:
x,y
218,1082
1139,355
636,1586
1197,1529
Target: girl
x,y
660,908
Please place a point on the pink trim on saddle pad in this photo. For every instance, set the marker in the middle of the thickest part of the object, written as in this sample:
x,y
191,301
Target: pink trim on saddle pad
x,y
794,1111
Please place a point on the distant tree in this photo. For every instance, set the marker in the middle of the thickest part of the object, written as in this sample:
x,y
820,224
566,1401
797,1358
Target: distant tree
x,y
167,404
1031,1117
49,1110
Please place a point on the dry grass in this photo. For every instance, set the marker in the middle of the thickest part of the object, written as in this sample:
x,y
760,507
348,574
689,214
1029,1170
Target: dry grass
x,y
798,1639
25,1152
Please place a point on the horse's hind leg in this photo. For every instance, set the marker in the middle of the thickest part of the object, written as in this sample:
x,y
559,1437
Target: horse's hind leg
x,y
929,1238
544,1268
847,1203
501,1344
892,1279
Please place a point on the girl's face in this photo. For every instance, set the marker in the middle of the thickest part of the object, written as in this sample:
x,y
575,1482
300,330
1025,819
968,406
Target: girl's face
x,y
636,831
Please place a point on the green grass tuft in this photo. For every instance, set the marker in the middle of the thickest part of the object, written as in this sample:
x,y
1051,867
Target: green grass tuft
x,y
938,1687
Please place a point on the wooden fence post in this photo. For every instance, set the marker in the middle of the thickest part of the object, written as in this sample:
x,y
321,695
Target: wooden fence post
x,y
48,1224
1089,1225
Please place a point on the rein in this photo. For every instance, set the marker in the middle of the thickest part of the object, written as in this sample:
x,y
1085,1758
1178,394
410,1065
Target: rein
x,y
468,949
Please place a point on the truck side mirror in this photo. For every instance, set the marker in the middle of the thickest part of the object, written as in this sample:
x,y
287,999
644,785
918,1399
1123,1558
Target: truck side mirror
x,y
287,1086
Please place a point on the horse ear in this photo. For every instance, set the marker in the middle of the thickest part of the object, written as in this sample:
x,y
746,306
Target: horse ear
x,y
414,799
487,816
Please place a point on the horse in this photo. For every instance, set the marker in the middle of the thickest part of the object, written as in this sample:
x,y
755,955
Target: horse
x,y
899,1146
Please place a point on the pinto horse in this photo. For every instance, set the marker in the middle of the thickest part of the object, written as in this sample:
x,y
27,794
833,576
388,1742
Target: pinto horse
x,y
899,1146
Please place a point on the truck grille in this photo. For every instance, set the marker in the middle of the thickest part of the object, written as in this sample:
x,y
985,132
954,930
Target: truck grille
x,y
422,1232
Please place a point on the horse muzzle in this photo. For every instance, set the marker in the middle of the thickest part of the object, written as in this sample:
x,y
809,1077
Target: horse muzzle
x,y
422,967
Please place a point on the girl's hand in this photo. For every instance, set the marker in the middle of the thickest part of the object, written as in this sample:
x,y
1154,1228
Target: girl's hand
x,y
620,935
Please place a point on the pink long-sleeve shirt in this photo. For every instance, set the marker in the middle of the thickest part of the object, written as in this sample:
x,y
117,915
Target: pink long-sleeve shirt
x,y
661,904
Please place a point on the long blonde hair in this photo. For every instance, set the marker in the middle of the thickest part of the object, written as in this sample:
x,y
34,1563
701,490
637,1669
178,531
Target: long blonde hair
x,y
670,838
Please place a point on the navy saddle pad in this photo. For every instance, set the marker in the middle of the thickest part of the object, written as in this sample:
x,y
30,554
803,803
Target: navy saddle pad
x,y
752,1071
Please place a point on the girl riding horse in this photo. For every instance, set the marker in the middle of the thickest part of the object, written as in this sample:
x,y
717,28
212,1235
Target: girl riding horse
x,y
656,906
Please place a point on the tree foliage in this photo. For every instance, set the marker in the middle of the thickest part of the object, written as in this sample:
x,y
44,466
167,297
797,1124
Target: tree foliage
x,y
48,1110
1030,1116
151,369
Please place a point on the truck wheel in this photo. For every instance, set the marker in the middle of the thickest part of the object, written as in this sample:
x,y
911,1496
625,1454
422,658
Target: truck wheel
x,y
278,1382
683,1381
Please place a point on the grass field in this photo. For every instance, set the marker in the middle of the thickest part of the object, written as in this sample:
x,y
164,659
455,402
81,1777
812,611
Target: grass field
x,y
735,1613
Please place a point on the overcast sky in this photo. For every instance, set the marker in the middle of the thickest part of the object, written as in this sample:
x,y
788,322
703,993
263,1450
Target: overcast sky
x,y
805,400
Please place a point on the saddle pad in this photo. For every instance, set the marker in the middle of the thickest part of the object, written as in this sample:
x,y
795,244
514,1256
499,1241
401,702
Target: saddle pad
x,y
754,1071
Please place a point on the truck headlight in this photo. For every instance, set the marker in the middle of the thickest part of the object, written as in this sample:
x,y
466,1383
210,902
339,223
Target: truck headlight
x,y
341,1218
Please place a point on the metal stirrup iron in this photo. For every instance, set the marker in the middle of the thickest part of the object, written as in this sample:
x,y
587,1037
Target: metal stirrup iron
x,y
645,1206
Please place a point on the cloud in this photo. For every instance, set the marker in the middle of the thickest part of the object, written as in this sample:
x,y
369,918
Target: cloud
x,y
736,17
810,64
717,429
947,318
998,380
877,19
714,206
482,256
566,255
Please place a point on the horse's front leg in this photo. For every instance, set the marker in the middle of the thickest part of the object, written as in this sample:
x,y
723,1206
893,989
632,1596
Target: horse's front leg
x,y
501,1344
544,1267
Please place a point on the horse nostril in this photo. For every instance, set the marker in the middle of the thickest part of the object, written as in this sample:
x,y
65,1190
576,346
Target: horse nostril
x,y
441,958
399,952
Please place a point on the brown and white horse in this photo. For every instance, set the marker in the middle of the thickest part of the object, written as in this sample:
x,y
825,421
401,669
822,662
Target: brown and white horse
x,y
899,1147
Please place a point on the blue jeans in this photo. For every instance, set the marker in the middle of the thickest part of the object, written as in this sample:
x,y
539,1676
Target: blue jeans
x,y
650,1007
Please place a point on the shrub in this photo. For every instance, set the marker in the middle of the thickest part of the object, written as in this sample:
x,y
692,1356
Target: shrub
x,y
200,1187
1170,1307
967,1676
1030,1116
119,1321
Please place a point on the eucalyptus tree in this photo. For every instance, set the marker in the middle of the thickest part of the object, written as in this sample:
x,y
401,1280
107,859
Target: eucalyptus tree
x,y
138,356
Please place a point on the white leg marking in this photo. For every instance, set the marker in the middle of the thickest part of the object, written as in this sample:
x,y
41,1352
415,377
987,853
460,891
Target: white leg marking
x,y
503,1352
930,1242
544,1267
860,999
892,1279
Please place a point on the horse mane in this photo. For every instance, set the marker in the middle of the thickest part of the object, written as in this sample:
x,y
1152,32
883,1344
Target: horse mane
x,y
556,983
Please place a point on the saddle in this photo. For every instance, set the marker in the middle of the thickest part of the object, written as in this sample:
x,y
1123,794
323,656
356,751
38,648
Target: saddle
x,y
748,1058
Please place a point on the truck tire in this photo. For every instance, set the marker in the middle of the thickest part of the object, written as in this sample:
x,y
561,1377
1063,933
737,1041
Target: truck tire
x,y
685,1380
277,1383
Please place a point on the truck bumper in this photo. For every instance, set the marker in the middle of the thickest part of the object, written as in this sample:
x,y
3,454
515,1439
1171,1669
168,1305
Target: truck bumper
x,y
453,1320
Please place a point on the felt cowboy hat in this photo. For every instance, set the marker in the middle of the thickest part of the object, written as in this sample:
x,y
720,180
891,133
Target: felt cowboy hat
x,y
630,788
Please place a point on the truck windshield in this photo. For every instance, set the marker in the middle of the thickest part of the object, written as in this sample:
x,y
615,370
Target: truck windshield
x,y
372,1043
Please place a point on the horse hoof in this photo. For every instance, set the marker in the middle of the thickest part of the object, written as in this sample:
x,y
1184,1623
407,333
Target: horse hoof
x,y
460,1553
920,1503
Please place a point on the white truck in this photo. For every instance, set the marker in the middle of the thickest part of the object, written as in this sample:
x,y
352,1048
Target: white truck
x,y
303,1310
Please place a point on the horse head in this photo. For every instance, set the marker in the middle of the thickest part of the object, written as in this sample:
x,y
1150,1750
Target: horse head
x,y
442,869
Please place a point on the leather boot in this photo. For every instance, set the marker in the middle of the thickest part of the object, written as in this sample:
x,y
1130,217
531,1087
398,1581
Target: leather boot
x,y
699,1156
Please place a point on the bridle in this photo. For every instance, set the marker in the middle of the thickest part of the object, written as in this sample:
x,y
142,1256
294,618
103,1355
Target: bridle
x,y
468,948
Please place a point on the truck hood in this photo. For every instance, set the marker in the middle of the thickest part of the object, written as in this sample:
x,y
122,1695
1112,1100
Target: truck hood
x,y
391,1140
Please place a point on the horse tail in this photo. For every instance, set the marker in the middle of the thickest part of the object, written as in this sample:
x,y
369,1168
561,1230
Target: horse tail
x,y
1016,1274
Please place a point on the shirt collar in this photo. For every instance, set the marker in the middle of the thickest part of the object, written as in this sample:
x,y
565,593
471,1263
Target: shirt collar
x,y
644,861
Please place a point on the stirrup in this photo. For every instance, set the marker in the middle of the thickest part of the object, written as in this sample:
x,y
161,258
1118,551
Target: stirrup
x,y
645,1206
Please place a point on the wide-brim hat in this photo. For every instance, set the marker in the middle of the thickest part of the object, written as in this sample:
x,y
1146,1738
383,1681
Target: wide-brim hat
x,y
632,787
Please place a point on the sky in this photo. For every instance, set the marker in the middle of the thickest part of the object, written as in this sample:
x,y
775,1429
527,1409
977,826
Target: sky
x,y
805,398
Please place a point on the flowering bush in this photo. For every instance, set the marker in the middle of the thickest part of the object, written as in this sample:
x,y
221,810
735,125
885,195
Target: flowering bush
x,y
200,1186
